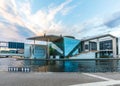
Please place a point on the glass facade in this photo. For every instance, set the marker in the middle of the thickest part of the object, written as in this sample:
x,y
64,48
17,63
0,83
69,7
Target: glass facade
x,y
70,45
93,45
104,45
39,52
16,45
35,51
59,43
11,48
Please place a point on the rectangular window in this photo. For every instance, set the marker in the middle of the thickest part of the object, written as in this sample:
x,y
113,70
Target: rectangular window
x,y
16,45
93,45
106,45
86,46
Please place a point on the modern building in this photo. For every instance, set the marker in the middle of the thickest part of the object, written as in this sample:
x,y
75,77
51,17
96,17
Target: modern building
x,y
104,45
11,48
101,46
62,46
22,49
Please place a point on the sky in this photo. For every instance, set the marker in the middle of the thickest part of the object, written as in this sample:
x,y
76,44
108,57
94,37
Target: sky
x,y
20,19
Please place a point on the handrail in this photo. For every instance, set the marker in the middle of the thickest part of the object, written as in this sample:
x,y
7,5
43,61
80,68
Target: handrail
x,y
66,59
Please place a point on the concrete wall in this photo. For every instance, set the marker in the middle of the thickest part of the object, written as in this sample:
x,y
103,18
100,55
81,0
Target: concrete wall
x,y
27,51
119,47
114,47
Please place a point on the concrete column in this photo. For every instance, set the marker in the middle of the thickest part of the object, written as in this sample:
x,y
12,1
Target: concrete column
x,y
32,48
114,47
98,45
48,48
119,47
98,48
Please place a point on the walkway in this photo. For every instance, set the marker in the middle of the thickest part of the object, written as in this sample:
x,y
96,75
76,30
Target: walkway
x,y
59,79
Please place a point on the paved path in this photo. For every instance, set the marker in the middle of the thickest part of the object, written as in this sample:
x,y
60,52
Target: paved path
x,y
108,82
59,79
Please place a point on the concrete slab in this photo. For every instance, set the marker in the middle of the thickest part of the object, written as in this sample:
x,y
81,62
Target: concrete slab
x,y
44,79
111,75
59,79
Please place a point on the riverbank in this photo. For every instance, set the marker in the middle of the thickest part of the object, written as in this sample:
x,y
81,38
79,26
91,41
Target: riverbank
x,y
59,79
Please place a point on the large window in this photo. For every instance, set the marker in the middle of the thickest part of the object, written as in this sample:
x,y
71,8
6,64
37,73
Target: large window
x,y
106,45
16,45
93,45
11,47
86,46
39,51
70,45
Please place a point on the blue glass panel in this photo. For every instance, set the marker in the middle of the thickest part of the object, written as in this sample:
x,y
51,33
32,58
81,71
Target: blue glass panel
x,y
69,45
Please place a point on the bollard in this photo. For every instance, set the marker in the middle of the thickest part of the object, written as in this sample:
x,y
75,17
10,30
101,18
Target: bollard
x,y
11,69
25,69
14,69
18,69
28,69
8,68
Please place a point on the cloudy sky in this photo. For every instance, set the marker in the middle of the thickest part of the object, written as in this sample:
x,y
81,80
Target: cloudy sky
x,y
80,18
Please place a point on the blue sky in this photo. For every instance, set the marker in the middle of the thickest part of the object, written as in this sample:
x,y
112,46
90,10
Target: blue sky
x,y
20,19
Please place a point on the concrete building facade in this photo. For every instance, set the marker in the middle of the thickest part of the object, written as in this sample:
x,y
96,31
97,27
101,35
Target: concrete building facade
x,y
102,46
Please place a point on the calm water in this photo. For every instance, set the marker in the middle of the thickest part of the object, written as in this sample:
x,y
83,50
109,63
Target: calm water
x,y
62,66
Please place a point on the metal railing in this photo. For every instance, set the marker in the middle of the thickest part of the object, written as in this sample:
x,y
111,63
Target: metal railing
x,y
74,65
55,65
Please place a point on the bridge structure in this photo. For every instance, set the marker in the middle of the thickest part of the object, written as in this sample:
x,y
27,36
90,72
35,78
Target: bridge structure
x,y
11,49
10,54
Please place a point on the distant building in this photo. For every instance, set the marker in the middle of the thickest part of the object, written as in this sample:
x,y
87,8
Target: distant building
x,y
94,47
11,48
103,45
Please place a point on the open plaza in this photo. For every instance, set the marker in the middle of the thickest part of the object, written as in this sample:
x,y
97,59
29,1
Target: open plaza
x,y
59,79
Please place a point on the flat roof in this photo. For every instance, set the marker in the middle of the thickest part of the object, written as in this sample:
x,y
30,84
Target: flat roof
x,y
96,37
45,38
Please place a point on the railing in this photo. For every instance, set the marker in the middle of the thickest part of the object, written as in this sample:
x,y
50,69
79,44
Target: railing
x,y
10,54
74,65
60,65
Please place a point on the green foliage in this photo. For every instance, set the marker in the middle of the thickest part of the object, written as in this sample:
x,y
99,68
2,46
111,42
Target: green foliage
x,y
51,50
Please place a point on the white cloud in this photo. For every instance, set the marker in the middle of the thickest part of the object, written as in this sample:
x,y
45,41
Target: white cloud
x,y
12,34
66,10
99,25
16,12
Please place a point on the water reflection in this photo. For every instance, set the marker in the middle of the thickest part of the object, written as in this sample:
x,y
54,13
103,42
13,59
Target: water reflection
x,y
9,62
62,66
